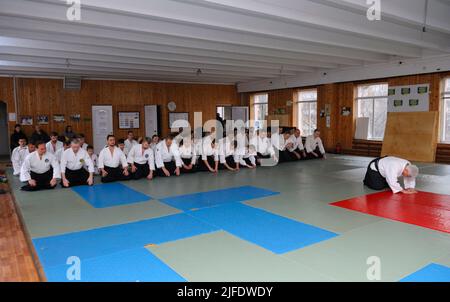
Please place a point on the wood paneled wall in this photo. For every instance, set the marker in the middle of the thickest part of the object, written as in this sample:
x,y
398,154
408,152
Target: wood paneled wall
x,y
339,95
46,96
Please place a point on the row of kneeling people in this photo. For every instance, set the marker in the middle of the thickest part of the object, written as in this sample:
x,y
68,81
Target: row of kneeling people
x,y
75,165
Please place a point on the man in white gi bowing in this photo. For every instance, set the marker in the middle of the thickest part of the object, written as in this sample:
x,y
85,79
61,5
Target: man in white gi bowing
x,y
142,160
73,161
167,158
112,163
384,173
40,170
314,146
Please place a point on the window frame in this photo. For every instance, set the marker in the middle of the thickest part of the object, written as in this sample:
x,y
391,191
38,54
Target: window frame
x,y
259,104
298,101
372,98
445,100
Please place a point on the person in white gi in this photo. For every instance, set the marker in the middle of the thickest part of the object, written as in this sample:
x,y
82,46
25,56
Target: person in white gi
x,y
247,160
58,154
227,151
210,156
40,170
73,161
167,158
18,156
83,143
314,146
279,142
295,146
94,159
188,154
142,160
155,141
130,142
54,144
384,173
263,146
112,163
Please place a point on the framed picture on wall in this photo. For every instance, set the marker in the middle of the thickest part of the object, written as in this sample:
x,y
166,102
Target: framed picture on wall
x,y
42,119
178,120
26,120
59,118
129,119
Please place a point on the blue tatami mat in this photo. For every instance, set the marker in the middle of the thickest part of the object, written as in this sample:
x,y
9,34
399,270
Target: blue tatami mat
x,y
430,273
55,250
110,195
217,197
272,232
136,265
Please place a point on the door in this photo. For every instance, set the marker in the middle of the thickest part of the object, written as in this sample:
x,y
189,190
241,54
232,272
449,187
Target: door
x,y
151,120
4,141
239,113
102,125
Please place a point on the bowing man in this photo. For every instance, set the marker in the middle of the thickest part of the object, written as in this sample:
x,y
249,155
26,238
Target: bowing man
x,y
227,153
167,158
40,170
294,146
73,161
112,163
247,158
54,144
210,156
18,155
384,173
314,146
188,155
279,141
142,160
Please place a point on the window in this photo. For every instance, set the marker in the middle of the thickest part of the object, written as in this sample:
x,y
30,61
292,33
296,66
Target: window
x,y
261,109
372,101
446,115
307,111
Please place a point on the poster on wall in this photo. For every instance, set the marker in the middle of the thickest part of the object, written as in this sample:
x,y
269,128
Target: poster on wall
x,y
75,117
413,98
42,119
178,120
26,120
129,120
59,118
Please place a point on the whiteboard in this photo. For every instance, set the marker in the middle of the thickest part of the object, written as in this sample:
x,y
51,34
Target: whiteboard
x,y
129,120
181,119
151,120
362,128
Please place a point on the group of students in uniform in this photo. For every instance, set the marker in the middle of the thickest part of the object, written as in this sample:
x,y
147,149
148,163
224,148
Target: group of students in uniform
x,y
41,164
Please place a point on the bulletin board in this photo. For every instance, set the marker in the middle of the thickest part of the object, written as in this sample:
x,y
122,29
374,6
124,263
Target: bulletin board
x,y
412,98
411,135
181,117
129,120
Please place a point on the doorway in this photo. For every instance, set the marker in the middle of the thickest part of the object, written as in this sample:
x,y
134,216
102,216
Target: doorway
x,y
4,141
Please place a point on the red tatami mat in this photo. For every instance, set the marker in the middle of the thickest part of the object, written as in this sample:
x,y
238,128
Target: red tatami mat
x,y
424,209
